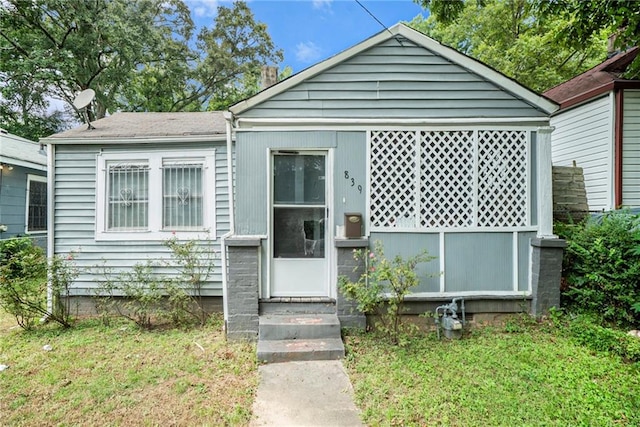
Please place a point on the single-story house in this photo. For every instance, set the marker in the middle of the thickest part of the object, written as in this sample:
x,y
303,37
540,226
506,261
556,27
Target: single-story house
x,y
398,139
23,188
598,129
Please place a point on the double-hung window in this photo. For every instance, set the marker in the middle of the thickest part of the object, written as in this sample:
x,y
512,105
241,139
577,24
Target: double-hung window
x,y
36,220
154,195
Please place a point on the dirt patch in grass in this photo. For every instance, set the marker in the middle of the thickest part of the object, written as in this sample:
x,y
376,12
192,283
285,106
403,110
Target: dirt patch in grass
x,y
119,375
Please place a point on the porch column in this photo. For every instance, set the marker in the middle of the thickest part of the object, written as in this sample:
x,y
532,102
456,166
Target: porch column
x,y
546,272
545,183
348,313
243,280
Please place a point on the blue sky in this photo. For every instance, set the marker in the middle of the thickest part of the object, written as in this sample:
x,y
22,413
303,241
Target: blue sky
x,y
310,31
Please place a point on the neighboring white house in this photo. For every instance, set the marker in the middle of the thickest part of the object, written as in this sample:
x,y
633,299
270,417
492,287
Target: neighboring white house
x,y
598,129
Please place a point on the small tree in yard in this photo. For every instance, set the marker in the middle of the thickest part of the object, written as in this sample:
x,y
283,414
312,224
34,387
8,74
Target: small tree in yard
x,y
383,286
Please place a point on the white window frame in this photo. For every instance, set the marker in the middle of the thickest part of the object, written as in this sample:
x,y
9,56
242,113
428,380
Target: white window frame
x,y
30,179
155,160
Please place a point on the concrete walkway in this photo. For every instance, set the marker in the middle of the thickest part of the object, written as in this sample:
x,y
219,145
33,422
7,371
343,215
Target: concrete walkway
x,y
315,393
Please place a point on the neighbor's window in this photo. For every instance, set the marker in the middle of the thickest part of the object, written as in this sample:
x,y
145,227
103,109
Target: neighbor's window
x,y
449,179
36,204
153,195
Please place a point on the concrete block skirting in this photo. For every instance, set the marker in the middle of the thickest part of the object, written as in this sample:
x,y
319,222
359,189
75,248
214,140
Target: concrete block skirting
x,y
546,265
243,273
348,313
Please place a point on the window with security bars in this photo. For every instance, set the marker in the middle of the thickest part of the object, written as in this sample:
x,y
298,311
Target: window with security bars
x,y
449,179
182,196
128,202
36,204
155,195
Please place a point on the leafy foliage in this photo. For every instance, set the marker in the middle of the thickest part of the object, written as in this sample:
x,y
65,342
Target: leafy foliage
x,y
23,283
509,36
601,267
137,55
381,289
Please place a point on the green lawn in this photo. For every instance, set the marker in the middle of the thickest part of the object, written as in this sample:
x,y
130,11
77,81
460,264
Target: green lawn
x,y
533,377
120,375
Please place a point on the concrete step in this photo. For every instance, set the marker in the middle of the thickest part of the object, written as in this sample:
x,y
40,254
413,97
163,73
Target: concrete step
x,y
276,351
297,305
298,326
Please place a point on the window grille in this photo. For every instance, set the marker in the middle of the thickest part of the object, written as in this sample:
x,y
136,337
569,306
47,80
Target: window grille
x,y
449,179
182,196
393,179
128,201
37,206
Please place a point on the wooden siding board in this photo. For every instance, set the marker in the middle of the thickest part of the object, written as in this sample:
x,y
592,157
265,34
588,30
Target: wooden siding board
x,y
584,135
75,220
631,149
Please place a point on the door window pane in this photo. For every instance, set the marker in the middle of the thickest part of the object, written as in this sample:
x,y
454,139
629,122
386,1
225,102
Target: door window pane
x,y
299,179
298,232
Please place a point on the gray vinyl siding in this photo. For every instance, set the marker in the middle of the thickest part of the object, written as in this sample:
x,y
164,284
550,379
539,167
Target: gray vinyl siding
x,y
75,213
631,149
585,135
13,202
395,80
350,163
252,172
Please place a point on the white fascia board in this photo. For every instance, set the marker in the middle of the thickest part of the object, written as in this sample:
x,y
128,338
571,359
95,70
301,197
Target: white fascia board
x,y
417,37
23,163
135,140
380,123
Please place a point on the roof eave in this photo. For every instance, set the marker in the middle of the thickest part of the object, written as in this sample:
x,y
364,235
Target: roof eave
x,y
133,139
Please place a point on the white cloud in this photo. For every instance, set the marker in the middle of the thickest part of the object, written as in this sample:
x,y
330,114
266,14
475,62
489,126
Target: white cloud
x,y
308,52
203,8
322,4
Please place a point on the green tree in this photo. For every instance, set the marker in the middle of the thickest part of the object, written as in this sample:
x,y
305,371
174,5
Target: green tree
x,y
583,20
138,55
508,36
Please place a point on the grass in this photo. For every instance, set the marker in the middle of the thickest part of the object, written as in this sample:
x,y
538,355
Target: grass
x,y
120,375
530,376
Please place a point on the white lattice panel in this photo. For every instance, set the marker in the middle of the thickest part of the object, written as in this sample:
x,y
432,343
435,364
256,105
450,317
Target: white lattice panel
x,y
393,178
446,179
502,178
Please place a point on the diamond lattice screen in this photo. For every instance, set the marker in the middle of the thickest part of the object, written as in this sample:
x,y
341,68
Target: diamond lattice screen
x,y
502,178
446,179
462,179
393,178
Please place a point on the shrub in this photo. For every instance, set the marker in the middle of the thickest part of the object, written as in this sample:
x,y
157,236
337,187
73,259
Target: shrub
x,y
601,268
382,287
23,283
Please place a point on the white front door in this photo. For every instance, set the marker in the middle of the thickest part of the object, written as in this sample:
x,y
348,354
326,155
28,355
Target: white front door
x,y
299,226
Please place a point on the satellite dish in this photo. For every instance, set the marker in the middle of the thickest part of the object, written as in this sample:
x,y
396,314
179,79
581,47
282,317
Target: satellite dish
x,y
81,102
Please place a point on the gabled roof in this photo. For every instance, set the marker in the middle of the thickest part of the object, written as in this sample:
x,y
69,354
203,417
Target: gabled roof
x,y
417,37
18,151
146,127
596,81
